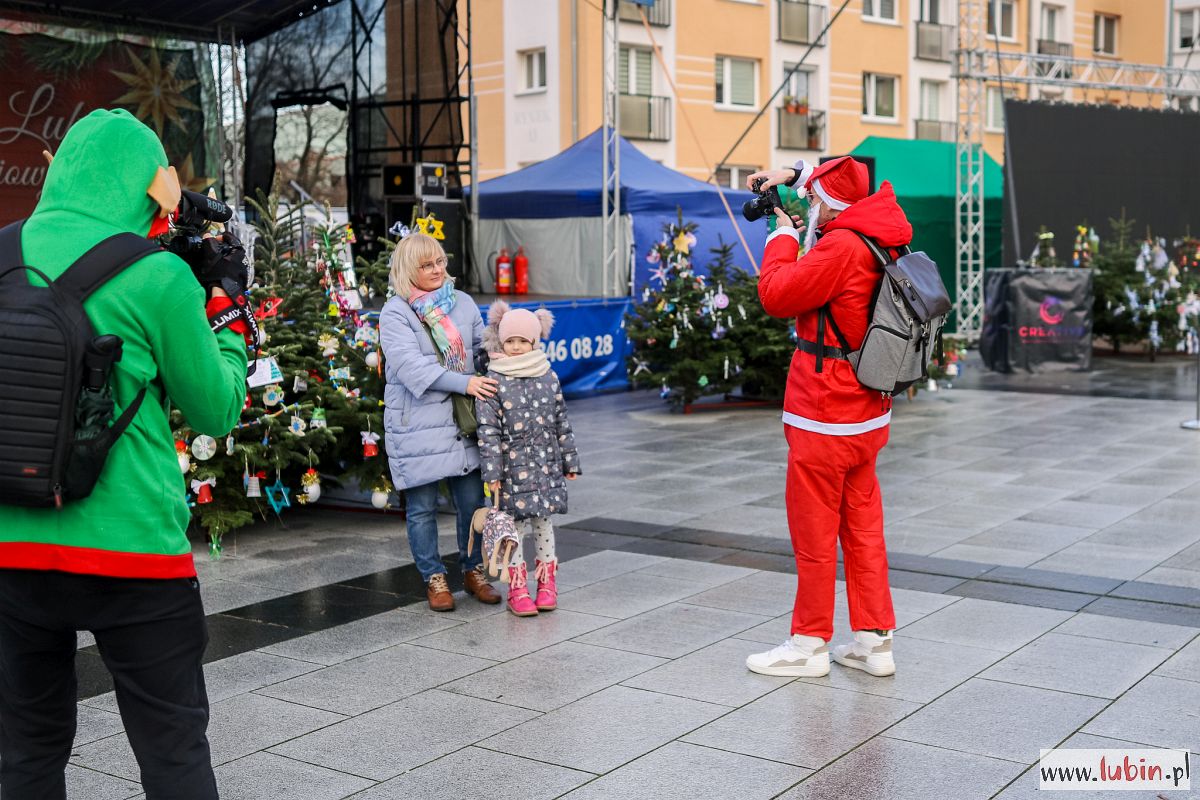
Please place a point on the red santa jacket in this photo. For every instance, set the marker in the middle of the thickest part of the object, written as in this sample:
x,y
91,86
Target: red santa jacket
x,y
840,271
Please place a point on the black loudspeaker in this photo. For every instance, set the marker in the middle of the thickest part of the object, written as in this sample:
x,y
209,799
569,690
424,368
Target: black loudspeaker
x,y
452,216
869,161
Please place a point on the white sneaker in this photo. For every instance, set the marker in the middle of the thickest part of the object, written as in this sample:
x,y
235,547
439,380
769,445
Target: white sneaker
x,y
870,652
798,657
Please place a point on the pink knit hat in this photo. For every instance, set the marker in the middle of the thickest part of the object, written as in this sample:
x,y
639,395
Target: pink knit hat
x,y
523,323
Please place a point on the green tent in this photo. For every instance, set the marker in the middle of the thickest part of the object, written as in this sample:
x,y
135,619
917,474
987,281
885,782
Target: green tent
x,y
922,173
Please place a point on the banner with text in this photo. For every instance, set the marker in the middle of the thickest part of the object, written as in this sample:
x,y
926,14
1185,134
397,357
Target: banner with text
x,y
48,83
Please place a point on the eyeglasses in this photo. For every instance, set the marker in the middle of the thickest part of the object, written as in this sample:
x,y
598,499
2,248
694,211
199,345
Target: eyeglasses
x,y
434,265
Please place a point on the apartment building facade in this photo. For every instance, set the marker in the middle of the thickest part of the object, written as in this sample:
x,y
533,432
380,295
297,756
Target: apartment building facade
x,y
884,69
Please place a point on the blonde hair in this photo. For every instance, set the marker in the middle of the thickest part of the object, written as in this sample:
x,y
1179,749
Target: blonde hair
x,y
406,261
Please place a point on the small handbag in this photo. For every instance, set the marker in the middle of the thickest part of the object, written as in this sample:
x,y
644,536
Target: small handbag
x,y
464,406
500,538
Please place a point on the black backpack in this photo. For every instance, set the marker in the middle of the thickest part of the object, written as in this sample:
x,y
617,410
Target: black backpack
x,y
56,407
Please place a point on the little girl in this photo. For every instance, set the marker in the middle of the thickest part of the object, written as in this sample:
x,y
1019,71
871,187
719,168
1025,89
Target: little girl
x,y
525,444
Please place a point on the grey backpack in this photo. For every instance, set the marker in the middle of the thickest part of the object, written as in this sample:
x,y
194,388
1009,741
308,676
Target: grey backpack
x,y
907,315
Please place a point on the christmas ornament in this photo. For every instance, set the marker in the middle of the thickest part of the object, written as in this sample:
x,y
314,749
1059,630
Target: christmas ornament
x,y
268,308
203,490
181,453
328,345
273,395
666,392
379,498
703,381
254,484
340,374
640,366
299,385
204,447
370,444
720,300
366,335
297,426
681,243
373,359
431,225
277,496
311,483
229,445
318,418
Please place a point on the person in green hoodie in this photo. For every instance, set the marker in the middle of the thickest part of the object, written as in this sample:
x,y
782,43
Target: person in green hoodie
x,y
119,563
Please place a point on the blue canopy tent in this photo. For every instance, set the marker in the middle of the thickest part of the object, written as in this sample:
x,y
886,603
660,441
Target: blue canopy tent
x,y
553,210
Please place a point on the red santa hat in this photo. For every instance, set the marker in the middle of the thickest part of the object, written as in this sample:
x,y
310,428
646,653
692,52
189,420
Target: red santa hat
x,y
840,183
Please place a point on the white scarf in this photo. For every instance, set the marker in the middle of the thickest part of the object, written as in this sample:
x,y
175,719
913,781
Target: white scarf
x,y
533,364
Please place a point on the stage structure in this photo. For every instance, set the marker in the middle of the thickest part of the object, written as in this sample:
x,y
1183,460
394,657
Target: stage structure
x,y
978,61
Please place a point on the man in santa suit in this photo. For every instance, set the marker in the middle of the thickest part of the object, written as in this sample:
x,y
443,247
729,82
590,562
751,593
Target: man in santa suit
x,y
834,425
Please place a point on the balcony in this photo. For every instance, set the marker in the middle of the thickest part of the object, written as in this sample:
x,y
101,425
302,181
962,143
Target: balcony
x,y
1050,67
658,14
646,117
933,130
801,131
935,42
801,22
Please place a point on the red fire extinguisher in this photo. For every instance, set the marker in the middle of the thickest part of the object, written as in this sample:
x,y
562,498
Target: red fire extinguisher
x,y
521,271
504,275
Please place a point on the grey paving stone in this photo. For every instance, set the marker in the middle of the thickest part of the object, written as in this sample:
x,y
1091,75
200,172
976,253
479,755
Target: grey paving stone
x,y
507,636
1140,609
1158,593
1023,595
237,727
550,678
921,581
263,775
86,783
602,566
676,549
367,635
1172,576
1059,478
460,774
222,595
924,670
701,574
1080,514
377,679
1116,629
890,769
952,567
1031,537
606,729
768,562
989,555
1159,711
1047,579
394,739
782,726
1099,559
93,724
764,593
672,631
983,623
1078,664
1117,492
714,674
999,720
681,771
969,518
1184,665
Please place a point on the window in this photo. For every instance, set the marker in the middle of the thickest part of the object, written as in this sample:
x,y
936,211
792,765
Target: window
x,y
734,177
879,10
1189,24
931,100
735,82
1050,17
800,85
931,11
879,96
1104,39
635,71
995,110
1002,18
534,62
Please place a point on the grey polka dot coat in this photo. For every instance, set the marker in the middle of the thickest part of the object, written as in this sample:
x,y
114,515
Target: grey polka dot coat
x,y
526,443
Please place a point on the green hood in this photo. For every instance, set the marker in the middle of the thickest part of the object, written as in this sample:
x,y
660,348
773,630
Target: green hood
x,y
101,171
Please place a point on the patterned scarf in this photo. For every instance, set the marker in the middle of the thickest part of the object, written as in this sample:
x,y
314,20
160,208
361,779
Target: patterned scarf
x,y
434,308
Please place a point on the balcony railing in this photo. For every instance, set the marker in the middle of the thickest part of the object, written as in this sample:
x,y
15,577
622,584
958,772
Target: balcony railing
x,y
1047,67
658,14
801,131
935,130
935,42
647,117
801,22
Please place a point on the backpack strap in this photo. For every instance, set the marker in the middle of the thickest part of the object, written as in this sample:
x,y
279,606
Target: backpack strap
x,y
103,262
11,259
880,255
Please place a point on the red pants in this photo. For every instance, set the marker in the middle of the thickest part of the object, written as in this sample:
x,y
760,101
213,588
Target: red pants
x,y
832,494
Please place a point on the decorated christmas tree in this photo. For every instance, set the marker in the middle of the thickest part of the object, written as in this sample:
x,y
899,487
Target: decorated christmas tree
x,y
680,327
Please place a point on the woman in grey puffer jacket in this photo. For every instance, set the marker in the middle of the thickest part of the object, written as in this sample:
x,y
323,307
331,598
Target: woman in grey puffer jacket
x,y
429,332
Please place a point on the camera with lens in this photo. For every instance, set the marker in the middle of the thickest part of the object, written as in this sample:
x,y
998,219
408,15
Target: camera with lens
x,y
765,202
215,260
192,220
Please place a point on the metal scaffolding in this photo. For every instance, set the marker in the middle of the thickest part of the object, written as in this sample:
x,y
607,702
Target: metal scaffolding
x,y
978,61
612,240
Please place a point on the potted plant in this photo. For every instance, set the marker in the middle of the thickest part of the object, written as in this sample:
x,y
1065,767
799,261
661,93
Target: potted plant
x,y
788,103
802,106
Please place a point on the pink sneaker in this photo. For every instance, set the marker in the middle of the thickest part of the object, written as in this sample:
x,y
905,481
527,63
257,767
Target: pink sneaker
x,y
547,591
519,601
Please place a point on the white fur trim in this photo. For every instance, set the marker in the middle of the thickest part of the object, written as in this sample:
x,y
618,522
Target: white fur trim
x,y
832,202
805,171
836,428
784,230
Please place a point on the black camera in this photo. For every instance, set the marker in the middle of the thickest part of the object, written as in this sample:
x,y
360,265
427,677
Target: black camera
x,y
195,214
764,204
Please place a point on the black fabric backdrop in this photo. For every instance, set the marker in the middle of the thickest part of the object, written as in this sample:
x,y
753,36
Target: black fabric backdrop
x,y
1037,320
1074,164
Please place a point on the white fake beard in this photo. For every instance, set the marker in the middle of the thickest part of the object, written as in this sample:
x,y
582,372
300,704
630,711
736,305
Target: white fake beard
x,y
810,232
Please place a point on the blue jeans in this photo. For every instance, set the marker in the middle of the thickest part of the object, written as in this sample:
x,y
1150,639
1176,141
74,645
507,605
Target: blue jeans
x,y
421,510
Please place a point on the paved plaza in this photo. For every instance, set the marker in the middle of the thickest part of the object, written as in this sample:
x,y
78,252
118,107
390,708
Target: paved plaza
x,y
1046,572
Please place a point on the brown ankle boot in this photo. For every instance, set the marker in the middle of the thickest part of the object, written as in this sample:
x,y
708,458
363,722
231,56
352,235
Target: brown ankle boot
x,y
476,583
438,593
